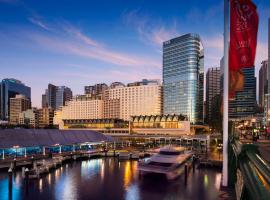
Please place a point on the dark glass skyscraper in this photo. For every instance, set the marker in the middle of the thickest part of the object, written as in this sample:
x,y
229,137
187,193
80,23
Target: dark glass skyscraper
x,y
245,101
183,70
212,90
9,88
56,96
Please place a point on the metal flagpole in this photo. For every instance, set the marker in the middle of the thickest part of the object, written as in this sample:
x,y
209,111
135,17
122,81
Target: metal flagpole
x,y
225,94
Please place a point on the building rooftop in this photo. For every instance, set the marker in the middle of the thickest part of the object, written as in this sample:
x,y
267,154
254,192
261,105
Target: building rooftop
x,y
10,138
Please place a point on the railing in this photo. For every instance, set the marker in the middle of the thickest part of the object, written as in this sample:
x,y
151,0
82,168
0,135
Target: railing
x,y
249,171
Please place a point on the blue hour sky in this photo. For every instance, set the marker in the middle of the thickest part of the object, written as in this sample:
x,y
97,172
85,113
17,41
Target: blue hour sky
x,y
78,43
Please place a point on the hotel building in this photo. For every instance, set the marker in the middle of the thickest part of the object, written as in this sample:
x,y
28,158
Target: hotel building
x,y
142,98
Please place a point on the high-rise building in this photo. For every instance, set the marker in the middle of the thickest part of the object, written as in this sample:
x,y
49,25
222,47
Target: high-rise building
x,y
56,96
63,95
44,103
244,103
95,90
51,96
183,77
212,90
45,117
123,102
17,105
9,88
263,83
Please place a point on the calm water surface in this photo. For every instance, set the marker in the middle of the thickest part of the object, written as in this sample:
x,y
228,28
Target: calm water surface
x,y
110,179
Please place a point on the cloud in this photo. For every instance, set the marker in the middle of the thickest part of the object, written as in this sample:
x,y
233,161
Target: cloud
x,y
39,23
152,32
70,40
79,35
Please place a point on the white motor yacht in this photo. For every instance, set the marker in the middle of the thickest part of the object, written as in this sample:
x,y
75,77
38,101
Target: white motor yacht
x,y
169,161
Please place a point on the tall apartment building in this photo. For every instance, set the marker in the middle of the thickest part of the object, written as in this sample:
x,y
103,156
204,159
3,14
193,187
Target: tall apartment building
x,y
17,105
212,89
183,77
9,88
45,117
263,83
140,98
56,96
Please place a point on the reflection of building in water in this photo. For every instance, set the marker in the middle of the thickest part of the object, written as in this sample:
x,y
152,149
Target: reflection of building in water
x,y
130,173
127,175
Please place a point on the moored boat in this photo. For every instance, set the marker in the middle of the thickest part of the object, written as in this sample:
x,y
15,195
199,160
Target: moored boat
x,y
169,161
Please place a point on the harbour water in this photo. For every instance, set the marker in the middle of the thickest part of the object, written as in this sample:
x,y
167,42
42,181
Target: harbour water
x,y
110,179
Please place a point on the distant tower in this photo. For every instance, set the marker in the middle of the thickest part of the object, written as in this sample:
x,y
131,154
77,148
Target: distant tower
x,y
212,89
56,96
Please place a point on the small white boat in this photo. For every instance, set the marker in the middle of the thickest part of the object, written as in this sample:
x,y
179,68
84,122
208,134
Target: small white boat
x,y
169,161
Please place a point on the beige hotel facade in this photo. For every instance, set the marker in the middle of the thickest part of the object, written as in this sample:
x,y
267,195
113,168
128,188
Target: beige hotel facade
x,y
117,102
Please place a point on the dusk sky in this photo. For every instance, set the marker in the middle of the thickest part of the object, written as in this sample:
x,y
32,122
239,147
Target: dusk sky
x,y
78,43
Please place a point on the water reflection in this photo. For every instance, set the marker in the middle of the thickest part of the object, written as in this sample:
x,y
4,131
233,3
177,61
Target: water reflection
x,y
109,179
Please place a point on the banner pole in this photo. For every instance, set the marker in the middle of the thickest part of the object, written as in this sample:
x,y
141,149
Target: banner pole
x,y
225,94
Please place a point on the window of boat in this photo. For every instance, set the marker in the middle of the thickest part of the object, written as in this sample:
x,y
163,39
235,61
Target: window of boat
x,y
170,152
160,164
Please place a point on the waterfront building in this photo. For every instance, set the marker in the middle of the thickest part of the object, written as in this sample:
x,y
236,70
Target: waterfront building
x,y
56,96
244,103
82,107
17,105
45,117
183,77
9,88
95,90
29,118
172,125
263,82
158,121
212,90
95,123
143,98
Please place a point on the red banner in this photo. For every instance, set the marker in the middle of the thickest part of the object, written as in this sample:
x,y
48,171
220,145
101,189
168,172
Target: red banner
x,y
243,41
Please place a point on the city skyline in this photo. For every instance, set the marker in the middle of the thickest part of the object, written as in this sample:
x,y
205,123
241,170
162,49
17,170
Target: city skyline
x,y
125,43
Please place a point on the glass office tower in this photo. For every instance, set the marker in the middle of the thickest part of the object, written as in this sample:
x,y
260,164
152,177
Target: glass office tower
x,y
183,69
9,88
244,104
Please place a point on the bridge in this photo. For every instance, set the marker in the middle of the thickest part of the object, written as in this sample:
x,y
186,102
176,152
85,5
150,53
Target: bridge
x,y
249,171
